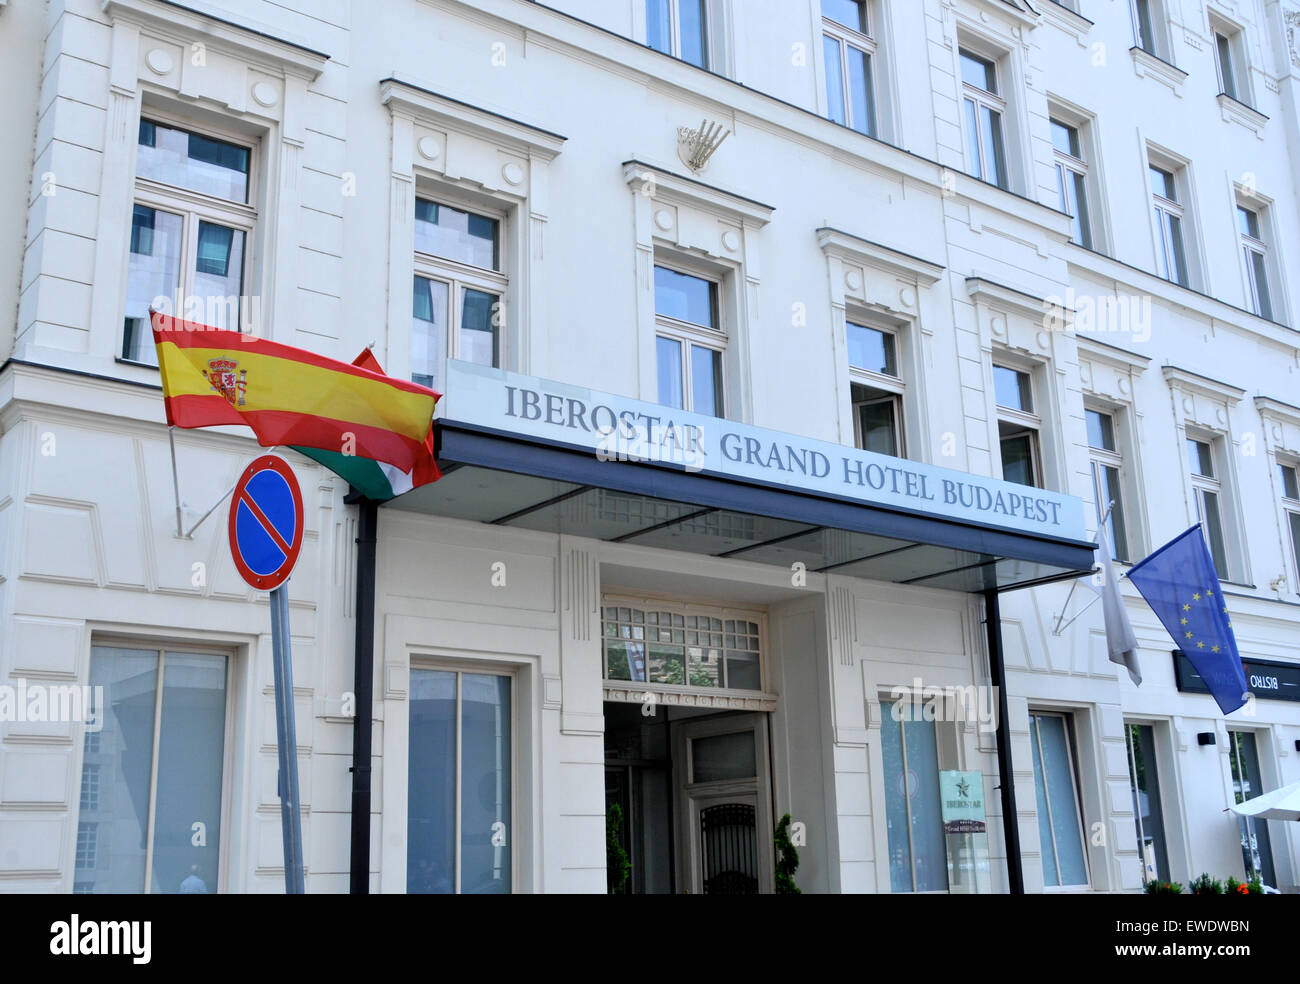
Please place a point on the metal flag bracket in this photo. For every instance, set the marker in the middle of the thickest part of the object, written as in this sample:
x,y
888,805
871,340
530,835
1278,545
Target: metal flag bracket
x,y
176,489
1058,628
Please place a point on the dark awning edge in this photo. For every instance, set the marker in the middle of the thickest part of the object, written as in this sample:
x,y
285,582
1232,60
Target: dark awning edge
x,y
468,444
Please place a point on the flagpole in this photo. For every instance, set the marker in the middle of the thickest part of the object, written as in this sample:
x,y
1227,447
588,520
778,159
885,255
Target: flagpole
x,y
1101,531
176,482
189,534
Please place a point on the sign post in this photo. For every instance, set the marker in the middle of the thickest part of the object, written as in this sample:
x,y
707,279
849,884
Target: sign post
x,y
265,528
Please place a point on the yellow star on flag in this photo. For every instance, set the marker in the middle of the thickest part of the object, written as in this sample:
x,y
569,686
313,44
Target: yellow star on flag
x,y
1196,596
1187,608
1214,649
1200,645
1182,621
1187,635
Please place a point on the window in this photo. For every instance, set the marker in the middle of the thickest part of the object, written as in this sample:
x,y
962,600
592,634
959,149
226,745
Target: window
x,y
190,230
1106,485
459,286
1056,789
1072,180
983,109
1256,255
679,28
1208,493
459,783
1171,256
877,389
918,855
1290,478
155,769
848,47
1256,848
1148,812
689,342
1145,14
1224,63
702,648
1018,425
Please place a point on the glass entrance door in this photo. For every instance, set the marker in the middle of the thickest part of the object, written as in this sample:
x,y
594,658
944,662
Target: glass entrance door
x,y
1256,849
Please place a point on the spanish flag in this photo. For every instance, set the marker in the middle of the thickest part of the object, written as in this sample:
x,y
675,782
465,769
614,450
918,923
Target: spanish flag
x,y
373,430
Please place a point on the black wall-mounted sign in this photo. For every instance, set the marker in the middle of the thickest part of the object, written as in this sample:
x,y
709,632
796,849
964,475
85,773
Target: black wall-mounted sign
x,y
1267,679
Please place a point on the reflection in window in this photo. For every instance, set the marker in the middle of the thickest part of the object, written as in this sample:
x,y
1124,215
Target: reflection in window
x,y
682,649
918,858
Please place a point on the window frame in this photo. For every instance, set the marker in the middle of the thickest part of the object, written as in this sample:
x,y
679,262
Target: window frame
x,y
1291,518
1068,192
1099,458
675,28
995,103
1021,422
1252,246
1165,210
512,671
460,276
1076,779
161,647
848,37
1215,485
878,387
724,612
1154,14
193,207
1157,743
688,334
1234,81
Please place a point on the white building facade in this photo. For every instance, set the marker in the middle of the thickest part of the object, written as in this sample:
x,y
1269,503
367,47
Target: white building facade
x,y
988,261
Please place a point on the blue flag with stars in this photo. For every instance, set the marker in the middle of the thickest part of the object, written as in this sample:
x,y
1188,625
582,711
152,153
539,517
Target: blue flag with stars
x,y
1178,581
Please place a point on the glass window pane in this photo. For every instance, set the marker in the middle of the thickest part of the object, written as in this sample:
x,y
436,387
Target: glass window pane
x,y
1290,481
1257,852
1162,184
706,381
860,91
1101,430
1012,389
978,72
1200,457
929,850
429,333
1145,33
431,784
1063,192
1018,459
111,838
478,328
667,663
685,298
486,830
743,669
1046,846
850,13
1223,53
659,30
1065,138
995,160
1293,519
190,160
1259,280
1248,222
441,230
669,353
721,757
1179,255
973,155
153,271
1063,799
191,747
834,80
1082,222
896,788
219,274
1115,522
871,349
1147,810
1214,533
879,427
693,32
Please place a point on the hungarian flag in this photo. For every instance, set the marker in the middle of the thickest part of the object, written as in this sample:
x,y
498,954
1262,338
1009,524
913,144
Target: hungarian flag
x,y
371,429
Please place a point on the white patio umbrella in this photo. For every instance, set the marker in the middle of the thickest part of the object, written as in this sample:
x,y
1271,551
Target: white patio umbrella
x,y
1278,804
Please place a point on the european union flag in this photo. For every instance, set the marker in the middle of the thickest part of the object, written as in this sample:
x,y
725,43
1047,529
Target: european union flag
x,y
1179,583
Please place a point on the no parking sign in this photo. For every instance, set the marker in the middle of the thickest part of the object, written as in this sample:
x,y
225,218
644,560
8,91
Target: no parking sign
x,y
266,522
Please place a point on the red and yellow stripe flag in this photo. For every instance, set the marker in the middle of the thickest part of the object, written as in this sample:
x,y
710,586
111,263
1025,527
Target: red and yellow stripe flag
x,y
290,396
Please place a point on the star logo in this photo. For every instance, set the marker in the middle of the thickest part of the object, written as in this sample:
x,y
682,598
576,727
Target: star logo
x,y
963,788
1196,596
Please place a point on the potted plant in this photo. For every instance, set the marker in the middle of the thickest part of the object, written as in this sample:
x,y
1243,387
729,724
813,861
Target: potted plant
x,y
1164,888
1205,885
617,865
787,859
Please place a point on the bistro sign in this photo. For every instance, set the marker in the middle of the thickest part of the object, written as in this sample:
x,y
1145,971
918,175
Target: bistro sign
x,y
615,428
1265,678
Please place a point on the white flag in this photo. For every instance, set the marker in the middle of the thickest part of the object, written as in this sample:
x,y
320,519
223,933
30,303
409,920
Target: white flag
x,y
1120,640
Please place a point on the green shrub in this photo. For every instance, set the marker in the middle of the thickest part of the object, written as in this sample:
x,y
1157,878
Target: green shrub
x,y
1205,885
787,859
1255,886
1164,888
617,865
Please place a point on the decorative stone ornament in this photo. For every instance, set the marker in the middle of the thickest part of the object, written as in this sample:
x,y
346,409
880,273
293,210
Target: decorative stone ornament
x,y
695,147
159,61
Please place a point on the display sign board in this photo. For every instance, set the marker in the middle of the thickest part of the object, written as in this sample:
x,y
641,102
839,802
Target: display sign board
x,y
616,428
961,804
1267,679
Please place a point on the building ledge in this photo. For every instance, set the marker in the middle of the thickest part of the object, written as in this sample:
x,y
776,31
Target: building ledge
x,y
1004,298
1236,111
1277,410
446,112
1069,21
1193,382
656,181
252,43
1112,355
864,252
1146,64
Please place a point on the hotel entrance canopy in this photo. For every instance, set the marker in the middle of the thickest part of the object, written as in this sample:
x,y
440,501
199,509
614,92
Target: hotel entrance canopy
x,y
528,453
